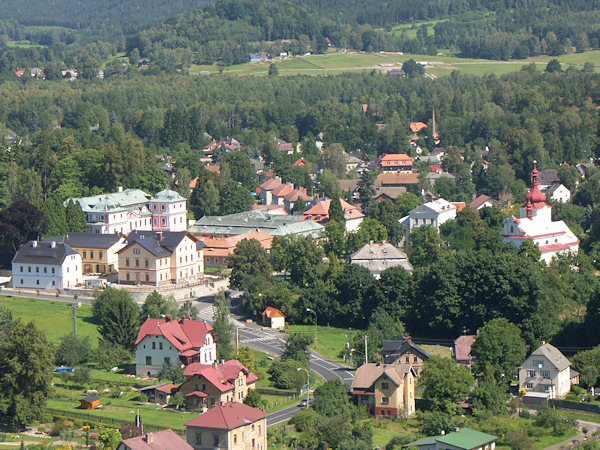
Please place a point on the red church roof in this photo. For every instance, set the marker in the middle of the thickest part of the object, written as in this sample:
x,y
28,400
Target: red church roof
x,y
184,334
227,416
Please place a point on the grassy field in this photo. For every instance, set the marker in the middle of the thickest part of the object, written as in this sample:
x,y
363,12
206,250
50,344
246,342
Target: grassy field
x,y
53,317
331,341
335,63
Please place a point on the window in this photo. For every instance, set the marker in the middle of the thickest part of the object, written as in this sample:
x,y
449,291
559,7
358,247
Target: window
x,y
198,438
154,346
28,268
538,362
85,254
21,280
45,270
146,263
385,385
92,255
259,430
408,359
100,255
216,440
53,282
160,345
545,373
127,261
148,360
546,388
136,251
252,427
37,282
253,443
415,359
531,373
53,270
385,400
127,277
147,277
168,360
21,268
235,438
137,262
203,386
164,221
528,385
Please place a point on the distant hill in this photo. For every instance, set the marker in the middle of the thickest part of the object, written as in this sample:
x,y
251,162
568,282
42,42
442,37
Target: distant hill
x,y
125,15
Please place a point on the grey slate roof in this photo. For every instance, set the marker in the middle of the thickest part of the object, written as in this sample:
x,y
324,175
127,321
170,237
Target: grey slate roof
x,y
167,195
149,241
378,257
394,349
113,202
43,253
89,240
553,355
246,222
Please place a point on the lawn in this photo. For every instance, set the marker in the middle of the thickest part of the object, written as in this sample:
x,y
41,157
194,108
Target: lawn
x,y
52,317
331,341
437,350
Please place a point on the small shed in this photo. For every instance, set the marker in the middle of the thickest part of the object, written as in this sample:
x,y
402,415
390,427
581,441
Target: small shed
x,y
159,393
273,318
89,402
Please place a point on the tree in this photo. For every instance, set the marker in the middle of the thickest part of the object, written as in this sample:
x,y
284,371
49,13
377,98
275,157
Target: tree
x,y
156,306
552,419
329,184
82,376
110,355
382,326
246,357
76,218
553,66
305,255
332,399
6,322
444,384
187,309
223,326
498,350
19,223
118,316
434,423
297,348
250,265
234,198
174,373
241,168
285,375
366,191
336,211
110,438
72,350
334,160
204,200
489,397
587,362
25,374
413,69
299,205
273,70
254,399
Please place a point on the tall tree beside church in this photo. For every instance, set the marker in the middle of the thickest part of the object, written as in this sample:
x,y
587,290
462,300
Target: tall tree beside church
x,y
76,219
223,326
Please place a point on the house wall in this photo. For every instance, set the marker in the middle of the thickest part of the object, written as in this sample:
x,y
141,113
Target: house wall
x,y
277,322
48,276
157,355
353,225
168,216
215,396
133,268
187,262
251,436
561,194
100,260
561,382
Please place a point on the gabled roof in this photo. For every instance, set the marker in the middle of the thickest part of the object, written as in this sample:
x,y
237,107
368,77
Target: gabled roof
x,y
271,184
553,355
319,212
222,376
367,374
113,201
392,159
35,252
396,179
415,127
86,240
378,257
549,176
438,206
462,347
230,243
271,312
159,440
150,241
481,200
554,187
465,438
296,194
394,349
184,334
227,416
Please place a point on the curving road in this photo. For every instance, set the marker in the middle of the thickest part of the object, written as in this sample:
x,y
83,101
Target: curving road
x,y
272,342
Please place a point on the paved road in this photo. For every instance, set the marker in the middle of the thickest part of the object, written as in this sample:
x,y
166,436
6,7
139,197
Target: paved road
x,y
272,342
32,294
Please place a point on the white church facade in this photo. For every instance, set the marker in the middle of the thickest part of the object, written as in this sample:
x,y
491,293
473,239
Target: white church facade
x,y
535,223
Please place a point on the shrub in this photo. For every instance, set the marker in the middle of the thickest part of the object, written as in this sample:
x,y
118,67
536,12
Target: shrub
x,y
306,420
551,419
520,441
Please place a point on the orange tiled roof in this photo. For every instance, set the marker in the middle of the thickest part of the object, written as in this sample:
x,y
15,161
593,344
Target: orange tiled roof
x,y
320,212
415,127
393,159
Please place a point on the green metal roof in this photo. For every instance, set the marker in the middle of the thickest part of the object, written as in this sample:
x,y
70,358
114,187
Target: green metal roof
x,y
467,438
425,441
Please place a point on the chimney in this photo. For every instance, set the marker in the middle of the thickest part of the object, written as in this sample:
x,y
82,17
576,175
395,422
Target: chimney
x,y
148,438
119,188
159,236
168,317
34,244
215,365
52,244
408,338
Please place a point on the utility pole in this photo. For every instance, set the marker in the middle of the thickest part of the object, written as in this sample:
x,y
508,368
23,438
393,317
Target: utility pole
x,y
75,319
366,351
237,341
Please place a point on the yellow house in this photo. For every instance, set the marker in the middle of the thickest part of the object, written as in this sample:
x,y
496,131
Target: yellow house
x,y
230,426
99,252
160,257
209,385
386,390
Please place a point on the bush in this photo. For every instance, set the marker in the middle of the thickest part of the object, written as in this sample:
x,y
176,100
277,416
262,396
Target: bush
x,y
111,355
306,420
550,419
399,441
284,373
578,390
57,428
520,441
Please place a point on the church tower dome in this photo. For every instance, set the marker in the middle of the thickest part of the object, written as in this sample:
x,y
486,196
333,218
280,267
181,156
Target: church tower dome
x,y
535,197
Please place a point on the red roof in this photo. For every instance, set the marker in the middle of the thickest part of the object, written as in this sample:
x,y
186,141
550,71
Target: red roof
x,y
394,159
435,167
197,394
214,168
184,334
462,347
271,312
459,205
271,184
227,416
300,162
320,211
223,375
167,388
159,440
415,127
194,182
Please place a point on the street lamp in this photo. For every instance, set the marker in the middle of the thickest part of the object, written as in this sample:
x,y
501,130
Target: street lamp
x,y
316,336
307,383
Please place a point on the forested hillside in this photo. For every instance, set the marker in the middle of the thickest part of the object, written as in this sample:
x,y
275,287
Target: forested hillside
x,y
125,16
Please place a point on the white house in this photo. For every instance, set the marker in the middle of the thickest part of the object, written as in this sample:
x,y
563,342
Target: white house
x,y
431,214
132,209
535,223
46,265
378,257
173,341
557,192
547,371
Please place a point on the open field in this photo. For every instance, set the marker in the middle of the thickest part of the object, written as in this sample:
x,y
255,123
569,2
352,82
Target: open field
x,y
335,63
53,317
331,341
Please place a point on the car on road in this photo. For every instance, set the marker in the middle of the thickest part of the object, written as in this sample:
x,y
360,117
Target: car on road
x,y
302,403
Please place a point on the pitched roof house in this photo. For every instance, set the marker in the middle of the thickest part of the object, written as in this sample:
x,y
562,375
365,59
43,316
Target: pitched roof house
x,y
404,351
462,349
484,201
319,212
395,179
415,127
273,318
46,265
217,250
229,426
208,385
385,390
433,214
463,439
183,341
378,257
396,162
159,440
547,371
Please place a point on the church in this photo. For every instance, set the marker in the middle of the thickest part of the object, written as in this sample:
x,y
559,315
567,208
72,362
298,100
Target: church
x,y
535,223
